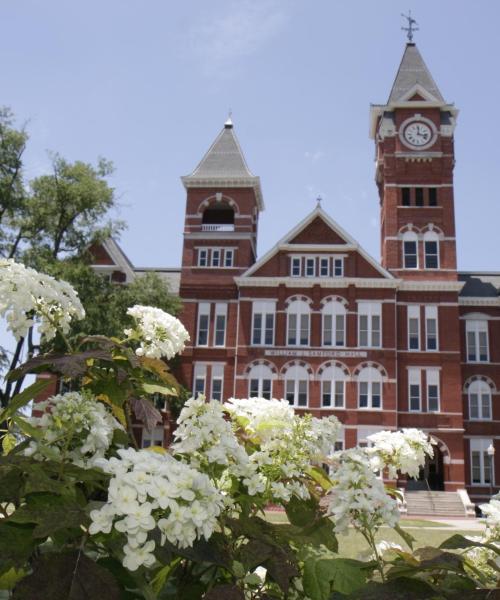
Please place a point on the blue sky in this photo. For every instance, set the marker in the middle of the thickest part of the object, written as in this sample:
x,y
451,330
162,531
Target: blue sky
x,y
148,85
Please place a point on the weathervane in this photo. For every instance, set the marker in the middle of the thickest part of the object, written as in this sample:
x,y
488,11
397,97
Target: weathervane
x,y
318,201
411,26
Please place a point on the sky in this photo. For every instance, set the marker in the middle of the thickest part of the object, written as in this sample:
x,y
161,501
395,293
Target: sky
x,y
148,85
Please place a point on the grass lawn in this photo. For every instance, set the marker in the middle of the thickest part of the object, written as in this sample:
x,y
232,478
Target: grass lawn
x,y
353,545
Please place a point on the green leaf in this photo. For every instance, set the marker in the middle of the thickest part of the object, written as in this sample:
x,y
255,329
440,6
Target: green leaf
x,y
9,579
22,399
320,476
9,442
160,579
69,576
302,512
458,542
404,588
27,428
16,544
408,538
318,533
322,576
226,591
153,388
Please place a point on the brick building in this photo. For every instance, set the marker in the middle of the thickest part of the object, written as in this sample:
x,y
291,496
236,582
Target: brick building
x,y
405,342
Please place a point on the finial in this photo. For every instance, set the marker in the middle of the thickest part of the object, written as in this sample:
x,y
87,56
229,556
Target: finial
x,y
318,201
229,121
411,26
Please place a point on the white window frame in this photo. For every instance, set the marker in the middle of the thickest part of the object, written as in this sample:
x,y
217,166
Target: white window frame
x,y
216,252
264,309
324,261
338,262
217,376
260,373
296,261
431,314
299,309
413,314
310,261
431,236
433,378
203,311
370,376
334,310
202,257
228,254
476,327
480,388
480,446
414,381
410,237
155,437
333,377
370,310
220,313
294,377
199,375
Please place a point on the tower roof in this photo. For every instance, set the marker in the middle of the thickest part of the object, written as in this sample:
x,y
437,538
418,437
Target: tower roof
x,y
224,157
224,166
413,72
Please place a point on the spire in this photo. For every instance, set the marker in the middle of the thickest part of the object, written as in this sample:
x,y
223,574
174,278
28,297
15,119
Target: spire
x,y
224,157
413,72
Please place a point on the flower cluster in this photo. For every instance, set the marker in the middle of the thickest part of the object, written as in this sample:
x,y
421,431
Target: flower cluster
x,y
27,296
404,451
358,496
149,490
159,334
75,427
492,512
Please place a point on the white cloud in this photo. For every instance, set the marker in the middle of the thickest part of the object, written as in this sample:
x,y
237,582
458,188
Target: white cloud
x,y
314,156
218,41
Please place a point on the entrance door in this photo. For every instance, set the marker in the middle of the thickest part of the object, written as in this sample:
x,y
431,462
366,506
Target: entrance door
x,y
431,476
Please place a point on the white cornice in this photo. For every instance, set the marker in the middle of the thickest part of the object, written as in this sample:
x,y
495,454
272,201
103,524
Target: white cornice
x,y
317,247
478,301
431,286
324,282
214,236
226,182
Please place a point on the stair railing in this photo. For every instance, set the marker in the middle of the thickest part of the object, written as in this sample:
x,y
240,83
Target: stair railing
x,y
430,495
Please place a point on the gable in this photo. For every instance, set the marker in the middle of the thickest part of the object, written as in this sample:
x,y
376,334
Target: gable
x,y
100,256
416,98
317,232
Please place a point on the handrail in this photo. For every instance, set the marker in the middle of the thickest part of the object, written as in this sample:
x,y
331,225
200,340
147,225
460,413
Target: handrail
x,y
430,494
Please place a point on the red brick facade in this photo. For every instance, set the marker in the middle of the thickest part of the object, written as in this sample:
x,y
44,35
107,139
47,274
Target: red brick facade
x,y
318,321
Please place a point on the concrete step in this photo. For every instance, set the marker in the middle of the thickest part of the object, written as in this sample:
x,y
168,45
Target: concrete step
x,y
442,504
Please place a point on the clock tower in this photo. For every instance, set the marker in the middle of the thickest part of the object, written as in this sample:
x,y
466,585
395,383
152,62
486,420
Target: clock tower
x,y
413,136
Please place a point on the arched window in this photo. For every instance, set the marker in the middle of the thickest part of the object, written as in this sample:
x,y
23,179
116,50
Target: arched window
x,y
479,400
333,380
297,385
370,388
218,216
298,315
410,250
334,324
260,382
431,250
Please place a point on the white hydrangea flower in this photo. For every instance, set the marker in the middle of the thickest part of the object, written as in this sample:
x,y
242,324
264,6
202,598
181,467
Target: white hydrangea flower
x,y
149,490
28,297
404,451
75,426
358,496
160,334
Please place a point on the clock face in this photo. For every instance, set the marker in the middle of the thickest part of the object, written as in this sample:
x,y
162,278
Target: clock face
x,y
418,134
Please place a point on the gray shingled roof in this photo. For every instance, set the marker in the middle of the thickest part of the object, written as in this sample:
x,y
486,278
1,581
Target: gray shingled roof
x,y
413,70
479,285
224,159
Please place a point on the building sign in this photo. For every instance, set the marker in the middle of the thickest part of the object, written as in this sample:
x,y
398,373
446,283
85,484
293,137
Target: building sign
x,y
317,353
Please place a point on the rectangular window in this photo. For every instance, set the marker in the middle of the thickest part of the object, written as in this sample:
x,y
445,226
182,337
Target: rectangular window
x,y
480,403
202,257
433,197
217,379
410,256
369,324
324,267
477,340
431,327
310,267
152,438
419,196
215,257
481,461
327,393
369,394
363,394
200,375
414,390
327,330
254,388
432,378
413,327
228,257
405,196
296,392
304,330
263,323
220,324
338,394
296,270
431,254
203,323
333,337
338,267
